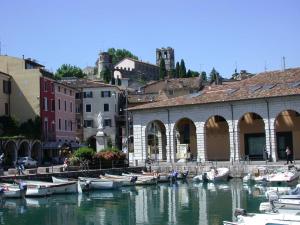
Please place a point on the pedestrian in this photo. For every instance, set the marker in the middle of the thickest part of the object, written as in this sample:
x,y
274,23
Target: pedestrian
x,y
288,153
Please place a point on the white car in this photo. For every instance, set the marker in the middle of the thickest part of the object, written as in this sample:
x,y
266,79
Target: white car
x,y
27,161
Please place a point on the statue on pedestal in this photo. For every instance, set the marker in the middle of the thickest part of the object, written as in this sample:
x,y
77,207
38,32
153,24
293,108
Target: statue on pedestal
x,y
100,121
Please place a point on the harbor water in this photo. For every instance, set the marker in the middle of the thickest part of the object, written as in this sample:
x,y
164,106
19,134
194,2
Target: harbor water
x,y
177,203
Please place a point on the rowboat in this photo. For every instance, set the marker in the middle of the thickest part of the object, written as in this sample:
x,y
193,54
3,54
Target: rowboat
x,y
137,180
89,183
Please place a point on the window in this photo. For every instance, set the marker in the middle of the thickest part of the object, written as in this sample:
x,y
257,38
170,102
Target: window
x,y
6,87
88,108
88,94
65,106
46,128
107,122
78,122
45,86
65,91
52,87
88,123
59,124
171,92
71,107
78,95
71,93
105,94
6,109
106,107
78,108
58,88
65,124
45,104
71,125
58,104
52,105
53,126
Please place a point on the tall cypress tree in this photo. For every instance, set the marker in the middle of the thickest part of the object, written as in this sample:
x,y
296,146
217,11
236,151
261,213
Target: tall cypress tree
x,y
162,69
177,70
182,69
213,75
189,73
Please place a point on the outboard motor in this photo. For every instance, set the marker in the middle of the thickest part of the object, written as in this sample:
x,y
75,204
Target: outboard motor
x,y
240,212
133,179
272,197
185,174
204,177
87,184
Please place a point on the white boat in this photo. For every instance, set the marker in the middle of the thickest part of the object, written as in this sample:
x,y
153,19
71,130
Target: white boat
x,y
284,176
288,217
37,191
89,183
11,191
124,182
137,180
67,187
214,175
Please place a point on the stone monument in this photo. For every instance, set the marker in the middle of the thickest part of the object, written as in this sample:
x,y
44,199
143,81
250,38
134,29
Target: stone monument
x,y
101,138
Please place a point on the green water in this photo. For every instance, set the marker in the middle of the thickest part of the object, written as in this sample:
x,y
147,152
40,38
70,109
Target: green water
x,y
180,203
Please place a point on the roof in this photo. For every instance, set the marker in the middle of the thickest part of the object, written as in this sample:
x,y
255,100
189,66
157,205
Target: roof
x,y
135,60
263,85
145,98
86,83
177,83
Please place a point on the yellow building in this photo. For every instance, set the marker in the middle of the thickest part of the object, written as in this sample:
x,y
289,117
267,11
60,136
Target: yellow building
x,y
5,90
25,97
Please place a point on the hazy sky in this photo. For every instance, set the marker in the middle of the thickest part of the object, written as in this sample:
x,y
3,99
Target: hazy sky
x,y
205,33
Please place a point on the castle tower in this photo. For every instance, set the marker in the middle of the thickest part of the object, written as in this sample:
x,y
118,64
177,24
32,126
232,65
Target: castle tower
x,y
168,55
104,61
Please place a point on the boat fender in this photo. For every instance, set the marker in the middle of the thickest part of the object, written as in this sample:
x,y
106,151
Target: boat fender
x,y
240,212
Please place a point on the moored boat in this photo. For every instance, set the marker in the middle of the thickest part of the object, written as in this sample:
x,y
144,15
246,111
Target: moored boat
x,y
214,175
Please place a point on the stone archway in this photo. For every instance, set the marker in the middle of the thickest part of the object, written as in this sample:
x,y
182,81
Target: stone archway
x,y
287,124
252,137
156,140
185,137
24,149
36,151
10,153
217,139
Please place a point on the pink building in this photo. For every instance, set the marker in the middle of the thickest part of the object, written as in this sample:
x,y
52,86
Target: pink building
x,y
65,129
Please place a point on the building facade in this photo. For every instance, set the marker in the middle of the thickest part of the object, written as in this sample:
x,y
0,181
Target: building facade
x,y
5,91
230,122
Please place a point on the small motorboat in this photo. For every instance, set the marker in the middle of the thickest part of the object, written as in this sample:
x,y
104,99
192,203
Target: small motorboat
x,y
214,175
137,180
284,176
12,191
286,217
89,183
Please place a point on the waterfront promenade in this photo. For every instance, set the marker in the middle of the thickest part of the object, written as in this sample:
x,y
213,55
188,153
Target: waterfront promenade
x,y
237,169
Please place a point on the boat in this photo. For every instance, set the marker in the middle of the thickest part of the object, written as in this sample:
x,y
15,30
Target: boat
x,y
124,181
89,183
11,191
284,176
137,180
166,177
283,217
214,175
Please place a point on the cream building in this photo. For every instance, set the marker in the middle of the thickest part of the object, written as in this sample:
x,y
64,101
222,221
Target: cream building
x,y
231,122
5,91
25,98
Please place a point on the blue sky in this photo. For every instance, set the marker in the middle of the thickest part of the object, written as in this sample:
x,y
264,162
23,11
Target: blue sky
x,y
251,34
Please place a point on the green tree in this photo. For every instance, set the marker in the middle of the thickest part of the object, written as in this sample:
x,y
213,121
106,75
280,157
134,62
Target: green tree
x,y
189,73
118,54
182,69
177,69
203,76
67,70
105,75
162,69
31,128
8,126
113,80
214,75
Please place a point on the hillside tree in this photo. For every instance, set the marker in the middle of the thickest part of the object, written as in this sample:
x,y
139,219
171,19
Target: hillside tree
x,y
162,69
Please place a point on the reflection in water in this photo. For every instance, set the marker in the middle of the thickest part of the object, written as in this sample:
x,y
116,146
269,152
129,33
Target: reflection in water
x,y
179,203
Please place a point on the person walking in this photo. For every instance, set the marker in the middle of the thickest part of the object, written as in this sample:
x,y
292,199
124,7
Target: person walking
x,y
288,153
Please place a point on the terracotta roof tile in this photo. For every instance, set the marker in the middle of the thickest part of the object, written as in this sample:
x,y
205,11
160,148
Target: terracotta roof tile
x,y
262,85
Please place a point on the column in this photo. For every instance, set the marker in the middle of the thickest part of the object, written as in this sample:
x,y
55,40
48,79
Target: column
x,y
234,144
170,143
271,139
201,153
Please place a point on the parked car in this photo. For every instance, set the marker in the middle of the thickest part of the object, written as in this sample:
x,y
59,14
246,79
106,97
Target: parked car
x,y
27,161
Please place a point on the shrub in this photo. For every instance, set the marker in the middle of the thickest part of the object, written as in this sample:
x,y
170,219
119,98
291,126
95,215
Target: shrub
x,y
84,153
74,161
110,154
